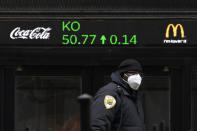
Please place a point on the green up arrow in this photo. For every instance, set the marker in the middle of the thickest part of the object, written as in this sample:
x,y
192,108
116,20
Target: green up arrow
x,y
103,38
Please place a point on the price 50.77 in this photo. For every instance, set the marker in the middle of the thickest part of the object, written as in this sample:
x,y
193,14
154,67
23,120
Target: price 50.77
x,y
73,39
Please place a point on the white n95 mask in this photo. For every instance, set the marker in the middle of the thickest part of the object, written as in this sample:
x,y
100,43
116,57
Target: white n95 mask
x,y
134,81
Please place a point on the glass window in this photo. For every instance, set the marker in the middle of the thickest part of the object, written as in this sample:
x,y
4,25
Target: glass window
x,y
47,103
155,97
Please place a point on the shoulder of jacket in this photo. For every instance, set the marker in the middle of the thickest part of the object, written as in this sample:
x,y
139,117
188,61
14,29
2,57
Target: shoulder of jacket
x,y
110,87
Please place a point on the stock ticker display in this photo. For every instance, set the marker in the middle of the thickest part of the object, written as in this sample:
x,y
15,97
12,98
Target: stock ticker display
x,y
128,33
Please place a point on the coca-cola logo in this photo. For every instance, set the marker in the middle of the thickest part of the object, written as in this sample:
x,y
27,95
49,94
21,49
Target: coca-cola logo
x,y
36,33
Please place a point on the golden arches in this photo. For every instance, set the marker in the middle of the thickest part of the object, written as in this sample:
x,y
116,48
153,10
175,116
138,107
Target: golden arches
x,y
175,30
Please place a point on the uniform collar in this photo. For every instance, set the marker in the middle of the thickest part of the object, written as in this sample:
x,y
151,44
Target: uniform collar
x,y
130,93
125,92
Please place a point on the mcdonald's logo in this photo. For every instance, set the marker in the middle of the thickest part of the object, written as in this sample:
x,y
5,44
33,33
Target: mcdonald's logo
x,y
174,29
175,39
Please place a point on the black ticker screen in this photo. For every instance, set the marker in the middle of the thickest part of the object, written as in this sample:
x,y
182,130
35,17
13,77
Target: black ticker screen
x,y
129,33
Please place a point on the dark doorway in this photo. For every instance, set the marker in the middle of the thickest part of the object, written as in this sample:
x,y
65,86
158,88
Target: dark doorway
x,y
44,97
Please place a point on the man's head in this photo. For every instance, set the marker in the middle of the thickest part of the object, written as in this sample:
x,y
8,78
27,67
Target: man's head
x,y
131,71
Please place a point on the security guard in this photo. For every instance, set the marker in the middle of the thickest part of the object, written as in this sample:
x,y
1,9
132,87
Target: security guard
x,y
117,106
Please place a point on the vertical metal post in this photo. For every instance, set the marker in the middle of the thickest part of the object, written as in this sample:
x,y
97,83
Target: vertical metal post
x,y
176,108
85,101
1,99
155,127
162,126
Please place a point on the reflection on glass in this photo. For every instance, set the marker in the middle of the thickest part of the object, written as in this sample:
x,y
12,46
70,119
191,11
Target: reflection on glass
x,y
47,103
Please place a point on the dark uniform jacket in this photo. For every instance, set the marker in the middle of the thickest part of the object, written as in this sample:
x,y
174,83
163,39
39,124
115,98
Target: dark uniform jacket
x,y
126,113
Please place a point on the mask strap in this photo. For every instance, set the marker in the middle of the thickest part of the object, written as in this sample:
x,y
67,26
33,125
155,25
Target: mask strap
x,y
127,78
